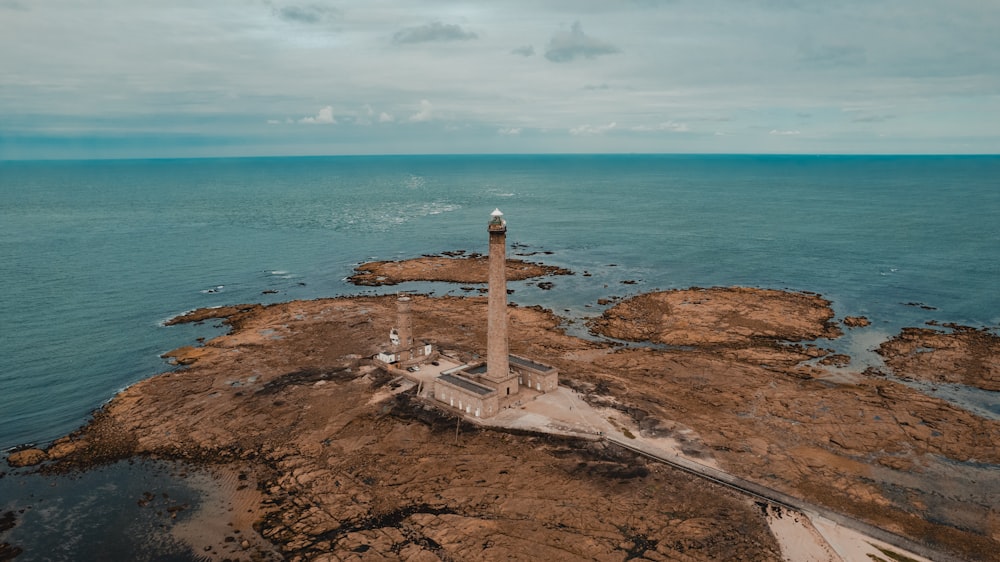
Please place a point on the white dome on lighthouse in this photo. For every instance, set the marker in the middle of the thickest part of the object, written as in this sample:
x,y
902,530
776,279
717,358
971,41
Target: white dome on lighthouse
x,y
496,213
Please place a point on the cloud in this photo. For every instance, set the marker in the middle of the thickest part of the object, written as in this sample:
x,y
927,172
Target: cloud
x,y
424,114
829,56
509,131
312,13
324,117
364,116
566,46
592,130
273,122
865,116
224,75
434,31
872,118
784,133
667,126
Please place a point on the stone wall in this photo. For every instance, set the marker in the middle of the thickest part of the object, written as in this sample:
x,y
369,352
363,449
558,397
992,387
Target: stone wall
x,y
466,401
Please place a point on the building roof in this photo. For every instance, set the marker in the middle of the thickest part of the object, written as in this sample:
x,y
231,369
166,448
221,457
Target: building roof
x,y
477,370
466,384
529,363
496,213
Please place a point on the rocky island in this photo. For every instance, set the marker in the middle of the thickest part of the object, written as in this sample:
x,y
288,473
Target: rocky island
x,y
447,268
324,458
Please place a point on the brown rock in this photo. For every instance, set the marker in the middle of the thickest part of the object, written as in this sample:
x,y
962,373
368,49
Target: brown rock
x,y
836,360
202,314
338,472
186,355
64,448
9,551
962,355
856,321
718,316
470,269
27,457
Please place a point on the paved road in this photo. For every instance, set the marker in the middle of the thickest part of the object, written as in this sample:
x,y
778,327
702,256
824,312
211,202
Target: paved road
x,y
563,412
784,500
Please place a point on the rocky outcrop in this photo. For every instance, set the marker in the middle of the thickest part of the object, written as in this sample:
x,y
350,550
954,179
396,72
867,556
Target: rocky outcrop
x,y
856,321
287,397
954,354
203,314
718,316
466,269
186,355
9,551
27,457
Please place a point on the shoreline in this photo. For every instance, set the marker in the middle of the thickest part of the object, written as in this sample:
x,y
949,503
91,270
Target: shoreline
x,y
610,372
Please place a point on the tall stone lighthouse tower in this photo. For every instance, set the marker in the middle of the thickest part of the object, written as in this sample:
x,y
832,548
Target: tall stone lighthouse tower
x,y
497,366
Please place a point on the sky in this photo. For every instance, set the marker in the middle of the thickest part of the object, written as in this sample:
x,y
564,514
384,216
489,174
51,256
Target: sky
x,y
190,78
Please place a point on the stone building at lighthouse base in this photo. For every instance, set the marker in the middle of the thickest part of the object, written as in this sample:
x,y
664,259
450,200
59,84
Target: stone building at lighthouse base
x,y
468,389
479,389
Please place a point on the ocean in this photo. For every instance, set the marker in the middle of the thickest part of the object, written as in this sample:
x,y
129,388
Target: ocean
x,y
97,254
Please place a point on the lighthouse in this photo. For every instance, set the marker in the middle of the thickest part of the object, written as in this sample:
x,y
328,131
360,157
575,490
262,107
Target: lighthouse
x,y
505,380
497,359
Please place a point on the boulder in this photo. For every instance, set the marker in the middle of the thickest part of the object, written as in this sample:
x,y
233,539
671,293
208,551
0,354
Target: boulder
x,y
26,457
856,321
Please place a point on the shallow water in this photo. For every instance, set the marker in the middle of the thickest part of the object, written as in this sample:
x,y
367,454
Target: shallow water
x,y
122,511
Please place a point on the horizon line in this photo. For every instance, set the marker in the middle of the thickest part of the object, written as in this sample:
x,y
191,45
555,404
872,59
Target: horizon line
x,y
517,154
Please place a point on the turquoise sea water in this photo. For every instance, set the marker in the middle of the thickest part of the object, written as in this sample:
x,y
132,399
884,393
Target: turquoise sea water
x,y
94,255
